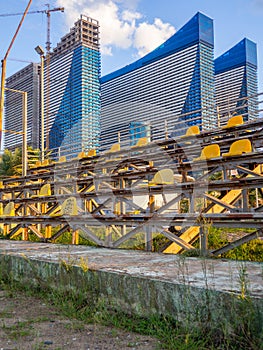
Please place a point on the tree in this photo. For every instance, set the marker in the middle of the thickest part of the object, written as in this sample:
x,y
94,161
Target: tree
x,y
11,162
6,163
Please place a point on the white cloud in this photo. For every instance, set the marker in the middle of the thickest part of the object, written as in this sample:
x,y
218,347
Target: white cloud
x,y
120,24
149,36
130,16
106,50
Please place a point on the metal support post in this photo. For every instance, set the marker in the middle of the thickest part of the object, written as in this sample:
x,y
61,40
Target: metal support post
x,y
149,228
75,237
42,144
245,200
24,148
203,240
24,131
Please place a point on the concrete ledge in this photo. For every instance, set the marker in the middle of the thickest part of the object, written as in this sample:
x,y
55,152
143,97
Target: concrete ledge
x,y
188,289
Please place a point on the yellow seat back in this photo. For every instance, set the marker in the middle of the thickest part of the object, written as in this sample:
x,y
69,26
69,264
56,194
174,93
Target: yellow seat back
x,y
1,209
62,159
44,163
69,207
238,148
114,148
91,153
143,141
163,177
234,121
81,155
192,130
9,209
209,152
45,190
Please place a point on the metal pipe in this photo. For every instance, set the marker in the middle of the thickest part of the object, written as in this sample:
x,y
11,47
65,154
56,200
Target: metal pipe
x,y
24,148
24,132
42,145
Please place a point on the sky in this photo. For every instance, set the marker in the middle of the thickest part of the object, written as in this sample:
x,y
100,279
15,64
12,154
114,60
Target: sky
x,y
128,28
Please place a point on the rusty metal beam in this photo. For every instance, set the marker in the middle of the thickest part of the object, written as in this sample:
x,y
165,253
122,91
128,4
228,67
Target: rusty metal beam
x,y
254,235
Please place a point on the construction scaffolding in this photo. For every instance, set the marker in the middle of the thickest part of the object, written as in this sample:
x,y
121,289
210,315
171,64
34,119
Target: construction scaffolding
x,y
176,188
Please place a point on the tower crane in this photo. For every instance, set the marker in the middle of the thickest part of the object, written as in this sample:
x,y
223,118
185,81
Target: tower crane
x,y
48,48
47,12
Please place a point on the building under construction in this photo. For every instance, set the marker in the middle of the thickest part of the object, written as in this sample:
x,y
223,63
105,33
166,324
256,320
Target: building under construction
x,y
71,94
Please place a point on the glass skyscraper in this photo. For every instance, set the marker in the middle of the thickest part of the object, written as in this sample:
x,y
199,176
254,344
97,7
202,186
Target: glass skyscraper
x,y
72,90
167,90
236,82
26,79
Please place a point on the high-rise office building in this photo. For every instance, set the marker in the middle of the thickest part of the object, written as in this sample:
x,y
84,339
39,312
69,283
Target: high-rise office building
x,y
236,82
26,80
72,90
170,88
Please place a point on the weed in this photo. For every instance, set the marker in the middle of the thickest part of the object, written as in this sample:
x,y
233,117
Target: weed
x,y
20,329
240,326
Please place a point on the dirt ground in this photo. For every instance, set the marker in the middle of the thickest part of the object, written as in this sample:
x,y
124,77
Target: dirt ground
x,y
29,324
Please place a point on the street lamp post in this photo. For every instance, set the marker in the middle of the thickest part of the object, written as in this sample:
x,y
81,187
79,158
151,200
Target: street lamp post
x,y
40,51
24,131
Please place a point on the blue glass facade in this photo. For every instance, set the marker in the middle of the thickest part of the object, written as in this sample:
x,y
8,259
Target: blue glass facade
x,y
245,52
138,130
73,118
170,88
78,115
236,81
198,29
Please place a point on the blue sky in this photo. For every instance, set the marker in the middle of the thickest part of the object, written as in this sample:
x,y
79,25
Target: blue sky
x,y
130,28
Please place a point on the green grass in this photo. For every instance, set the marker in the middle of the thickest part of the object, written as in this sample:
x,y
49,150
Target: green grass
x,y
244,332
251,251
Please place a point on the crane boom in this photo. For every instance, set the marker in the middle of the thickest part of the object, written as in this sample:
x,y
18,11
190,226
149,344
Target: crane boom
x,y
31,12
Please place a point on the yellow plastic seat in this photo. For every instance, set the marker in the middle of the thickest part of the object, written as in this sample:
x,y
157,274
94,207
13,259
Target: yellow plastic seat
x,y
91,153
68,207
114,148
234,121
143,141
62,159
163,177
192,130
44,163
81,155
45,190
239,147
9,209
208,152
